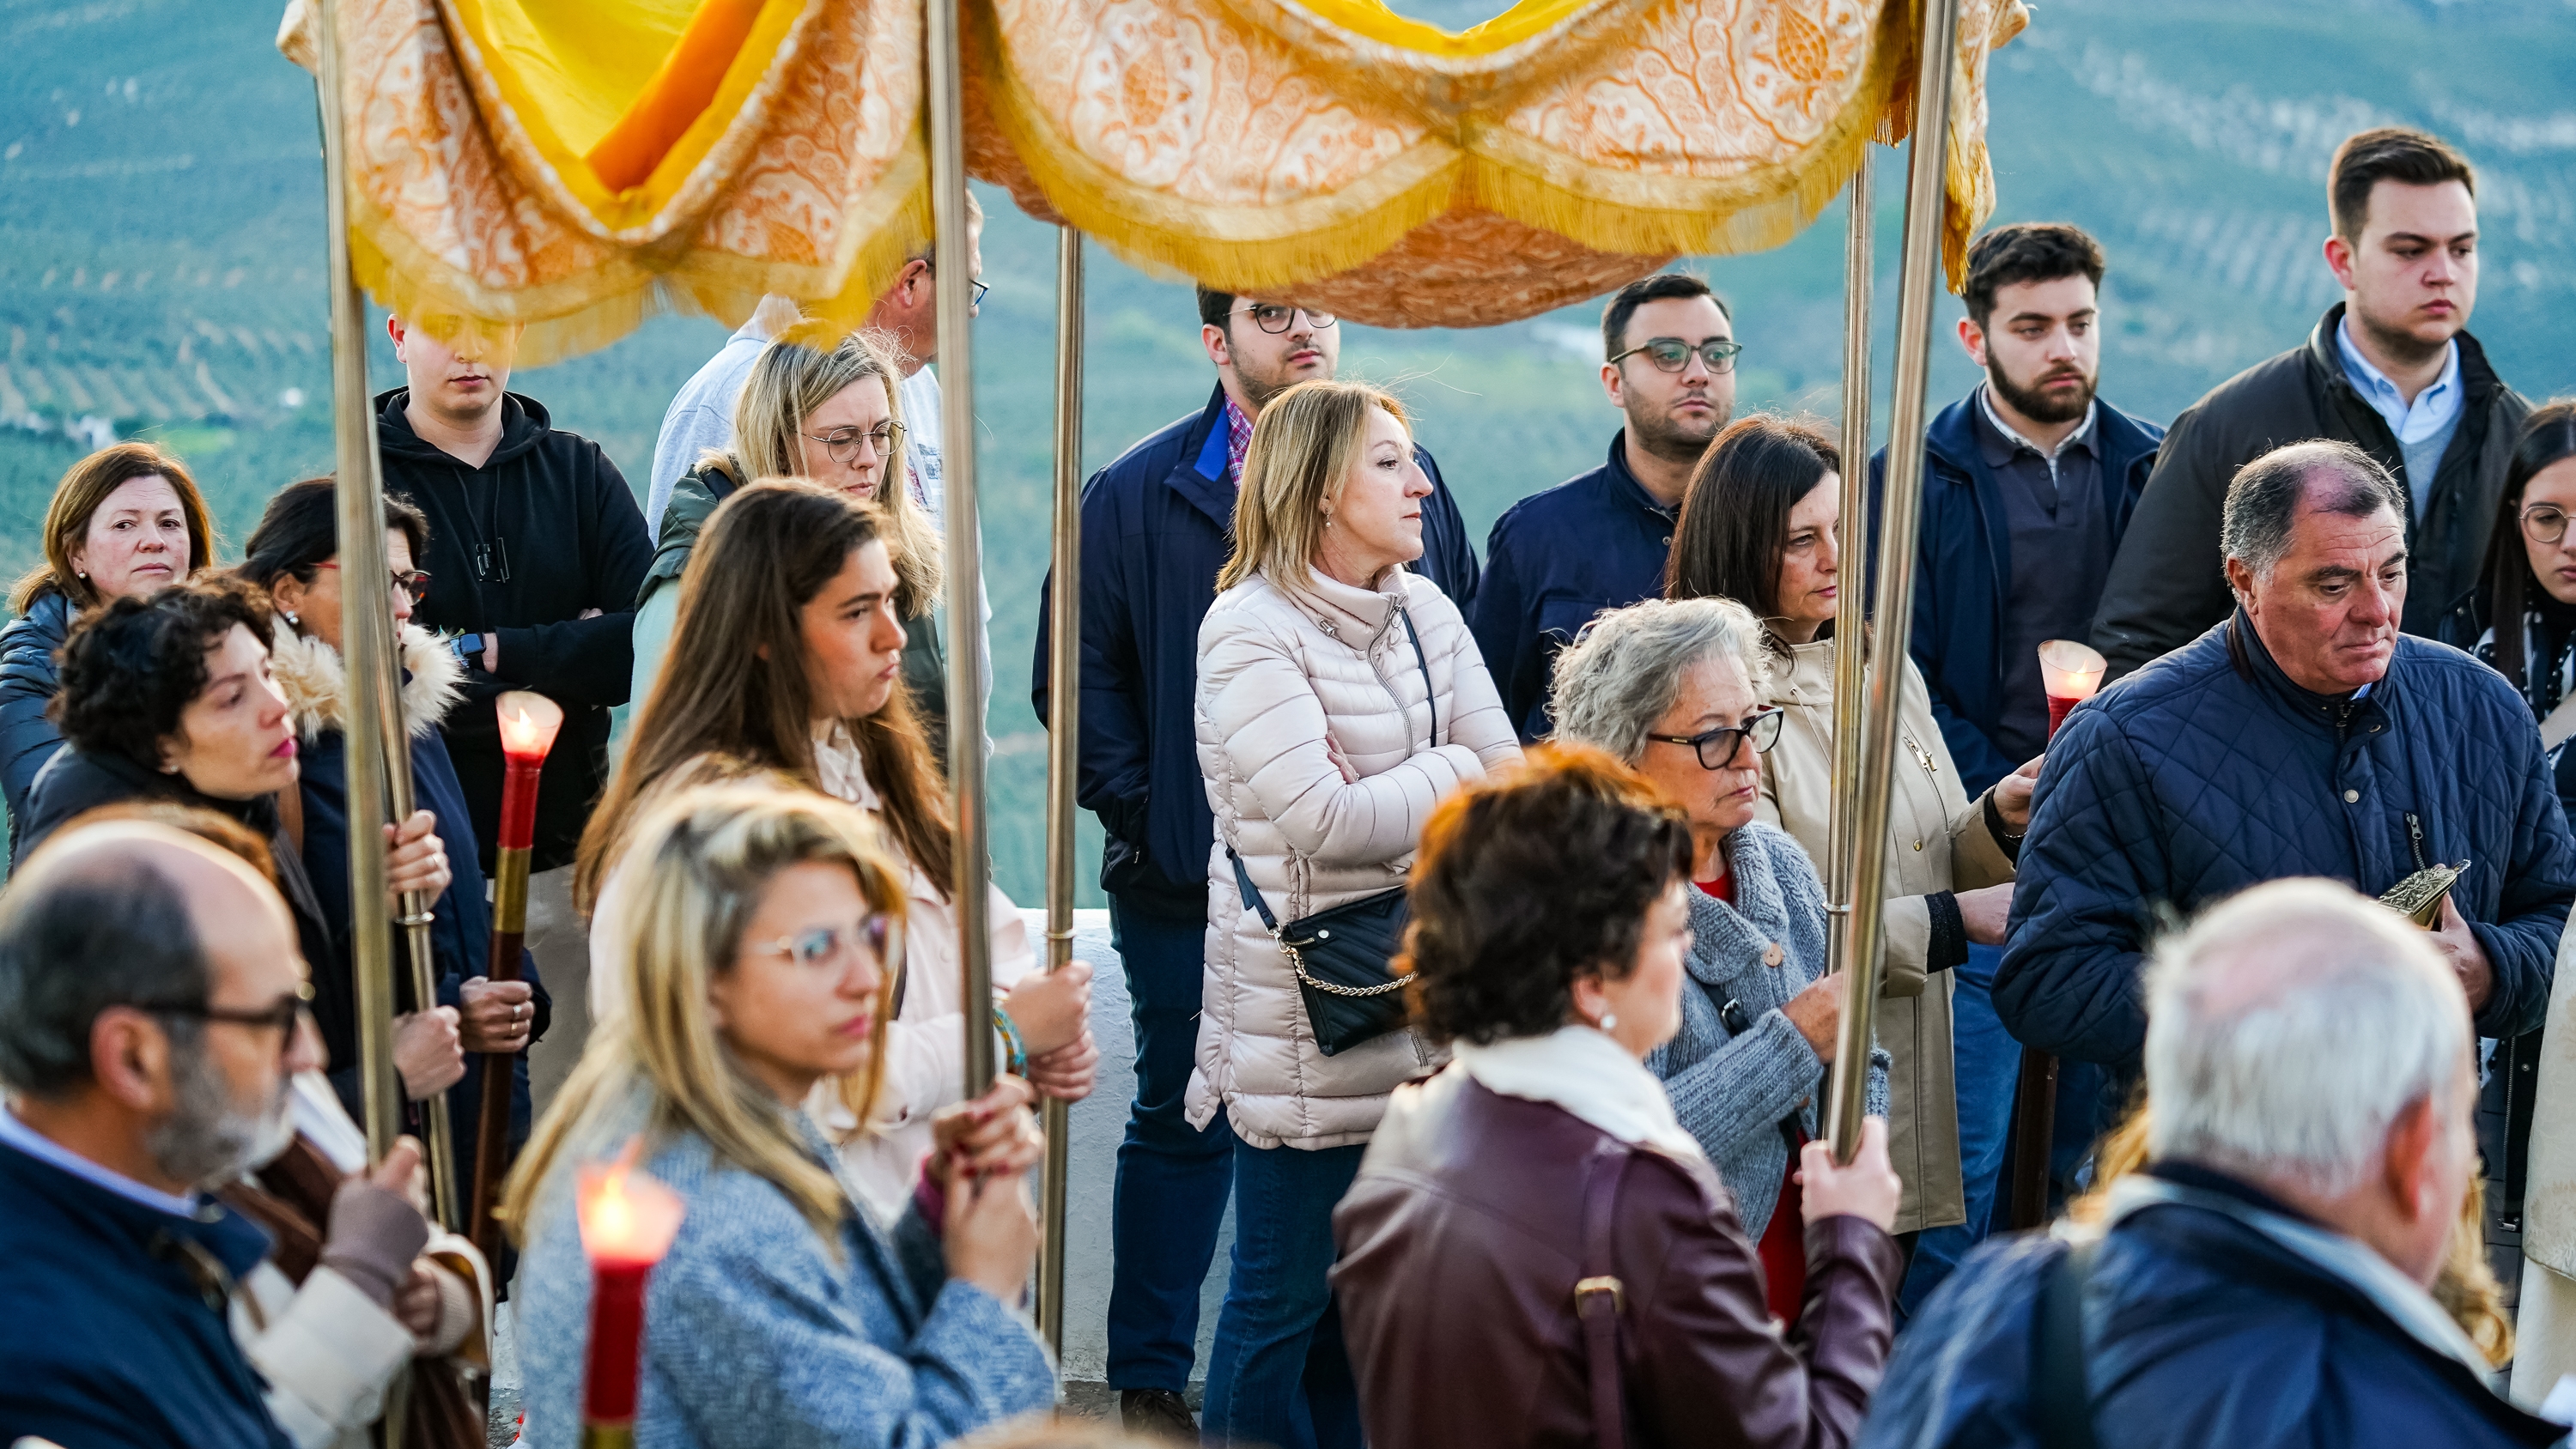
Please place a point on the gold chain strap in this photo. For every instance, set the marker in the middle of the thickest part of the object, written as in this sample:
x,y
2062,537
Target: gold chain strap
x,y
1297,963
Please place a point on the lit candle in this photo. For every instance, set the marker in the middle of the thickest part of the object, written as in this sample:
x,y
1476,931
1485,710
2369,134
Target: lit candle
x,y
528,725
2070,672
627,1222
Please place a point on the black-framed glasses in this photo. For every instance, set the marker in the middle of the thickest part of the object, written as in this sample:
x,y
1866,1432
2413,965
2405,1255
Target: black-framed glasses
x,y
415,583
2544,523
1717,748
976,299
1671,354
282,1016
843,443
1274,318
829,946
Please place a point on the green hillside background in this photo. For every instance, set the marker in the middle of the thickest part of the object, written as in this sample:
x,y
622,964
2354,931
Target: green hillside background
x,y
161,266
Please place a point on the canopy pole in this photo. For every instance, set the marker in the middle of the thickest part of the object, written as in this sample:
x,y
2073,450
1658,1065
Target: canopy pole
x,y
359,496
1851,533
436,1130
953,264
1892,604
1064,724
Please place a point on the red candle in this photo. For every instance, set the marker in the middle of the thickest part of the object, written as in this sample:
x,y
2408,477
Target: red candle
x,y
2070,672
627,1222
528,725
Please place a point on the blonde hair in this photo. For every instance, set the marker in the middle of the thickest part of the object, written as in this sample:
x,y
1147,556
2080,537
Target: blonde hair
x,y
802,368
1304,446
702,860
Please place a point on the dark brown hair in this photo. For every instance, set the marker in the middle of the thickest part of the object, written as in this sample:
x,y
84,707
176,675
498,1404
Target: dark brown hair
x,y
2548,436
1735,516
86,485
2388,153
1661,287
2027,251
130,668
300,531
1530,880
734,682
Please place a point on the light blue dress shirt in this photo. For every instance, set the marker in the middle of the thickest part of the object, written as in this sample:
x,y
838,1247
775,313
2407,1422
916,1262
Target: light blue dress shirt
x,y
53,1154
2423,428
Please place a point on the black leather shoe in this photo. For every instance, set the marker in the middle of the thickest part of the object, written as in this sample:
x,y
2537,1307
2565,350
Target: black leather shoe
x,y
1157,1414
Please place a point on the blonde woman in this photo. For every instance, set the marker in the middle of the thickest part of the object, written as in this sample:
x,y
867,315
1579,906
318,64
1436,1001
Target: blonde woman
x,y
1339,699
825,404
759,954
785,660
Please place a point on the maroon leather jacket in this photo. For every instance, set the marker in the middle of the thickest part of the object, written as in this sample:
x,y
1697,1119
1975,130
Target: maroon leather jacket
x,y
1461,1245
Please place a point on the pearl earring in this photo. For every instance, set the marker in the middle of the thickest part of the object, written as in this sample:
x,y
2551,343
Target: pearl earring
x,y
292,622
1609,1021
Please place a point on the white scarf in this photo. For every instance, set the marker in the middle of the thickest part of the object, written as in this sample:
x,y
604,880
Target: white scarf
x,y
1586,1073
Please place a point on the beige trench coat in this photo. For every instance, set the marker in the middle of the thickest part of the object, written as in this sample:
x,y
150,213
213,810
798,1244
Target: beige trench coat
x,y
1937,841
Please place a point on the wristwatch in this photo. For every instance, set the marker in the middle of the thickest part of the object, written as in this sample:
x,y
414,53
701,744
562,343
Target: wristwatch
x,y
468,649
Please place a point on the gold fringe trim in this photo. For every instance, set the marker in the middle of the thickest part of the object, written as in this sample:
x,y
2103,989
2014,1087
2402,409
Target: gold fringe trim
x,y
584,312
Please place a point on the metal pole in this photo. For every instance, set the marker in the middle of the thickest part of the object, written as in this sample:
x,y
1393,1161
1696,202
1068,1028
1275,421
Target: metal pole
x,y
1064,724
1893,597
1851,608
954,277
437,1134
361,518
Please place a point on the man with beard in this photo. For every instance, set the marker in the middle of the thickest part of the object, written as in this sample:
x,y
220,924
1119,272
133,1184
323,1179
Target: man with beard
x,y
1157,526
1599,540
151,1020
2390,369
2028,485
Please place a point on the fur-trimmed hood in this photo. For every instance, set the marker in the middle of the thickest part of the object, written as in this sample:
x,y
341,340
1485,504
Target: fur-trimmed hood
x,y
316,681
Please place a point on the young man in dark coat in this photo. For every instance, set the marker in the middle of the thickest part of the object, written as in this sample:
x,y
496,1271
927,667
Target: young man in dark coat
x,y
1599,540
2391,369
2262,1280
1157,525
537,549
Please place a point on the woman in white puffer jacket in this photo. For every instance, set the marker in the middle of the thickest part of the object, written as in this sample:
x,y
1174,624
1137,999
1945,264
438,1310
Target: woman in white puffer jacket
x,y
1325,736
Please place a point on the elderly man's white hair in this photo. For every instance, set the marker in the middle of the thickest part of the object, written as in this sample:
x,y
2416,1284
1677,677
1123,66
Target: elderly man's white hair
x,y
2289,1028
1624,670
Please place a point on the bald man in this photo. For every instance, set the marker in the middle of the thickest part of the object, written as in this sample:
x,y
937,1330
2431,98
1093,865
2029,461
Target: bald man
x,y
150,1000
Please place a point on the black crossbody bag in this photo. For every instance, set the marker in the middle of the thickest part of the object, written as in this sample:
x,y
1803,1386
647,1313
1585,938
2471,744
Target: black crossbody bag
x,y
1343,957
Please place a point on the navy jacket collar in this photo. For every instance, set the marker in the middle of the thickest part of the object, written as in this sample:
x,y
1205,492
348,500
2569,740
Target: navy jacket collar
x,y
2329,712
2118,441
1202,479
1624,483
217,1236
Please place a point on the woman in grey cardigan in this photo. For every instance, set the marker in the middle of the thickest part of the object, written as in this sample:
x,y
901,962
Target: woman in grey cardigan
x,y
758,965
1673,689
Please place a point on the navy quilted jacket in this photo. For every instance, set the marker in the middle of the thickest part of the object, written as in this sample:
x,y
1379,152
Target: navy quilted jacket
x,y
2209,771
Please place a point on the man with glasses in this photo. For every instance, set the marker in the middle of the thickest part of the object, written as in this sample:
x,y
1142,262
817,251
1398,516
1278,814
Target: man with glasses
x,y
151,1022
1599,540
1157,525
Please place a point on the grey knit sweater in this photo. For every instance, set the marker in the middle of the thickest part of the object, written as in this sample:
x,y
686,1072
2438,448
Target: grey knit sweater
x,y
1732,1092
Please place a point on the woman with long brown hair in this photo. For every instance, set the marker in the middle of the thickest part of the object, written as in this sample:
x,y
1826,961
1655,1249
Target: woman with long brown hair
x,y
786,655
1757,526
124,521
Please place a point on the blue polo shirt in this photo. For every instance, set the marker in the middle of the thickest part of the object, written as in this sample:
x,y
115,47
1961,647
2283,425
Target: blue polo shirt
x,y
1556,558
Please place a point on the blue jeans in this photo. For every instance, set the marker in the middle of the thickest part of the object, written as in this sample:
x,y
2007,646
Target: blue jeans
x,y
1169,1199
1987,1067
1278,1374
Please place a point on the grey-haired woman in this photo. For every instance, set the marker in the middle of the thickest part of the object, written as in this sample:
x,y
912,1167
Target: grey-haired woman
x,y
1674,690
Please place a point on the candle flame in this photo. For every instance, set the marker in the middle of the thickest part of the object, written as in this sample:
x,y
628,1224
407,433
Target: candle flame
x,y
2070,670
528,724
627,1215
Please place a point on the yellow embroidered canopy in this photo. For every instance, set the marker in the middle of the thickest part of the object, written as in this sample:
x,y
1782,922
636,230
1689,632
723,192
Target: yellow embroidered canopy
x,y
571,165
